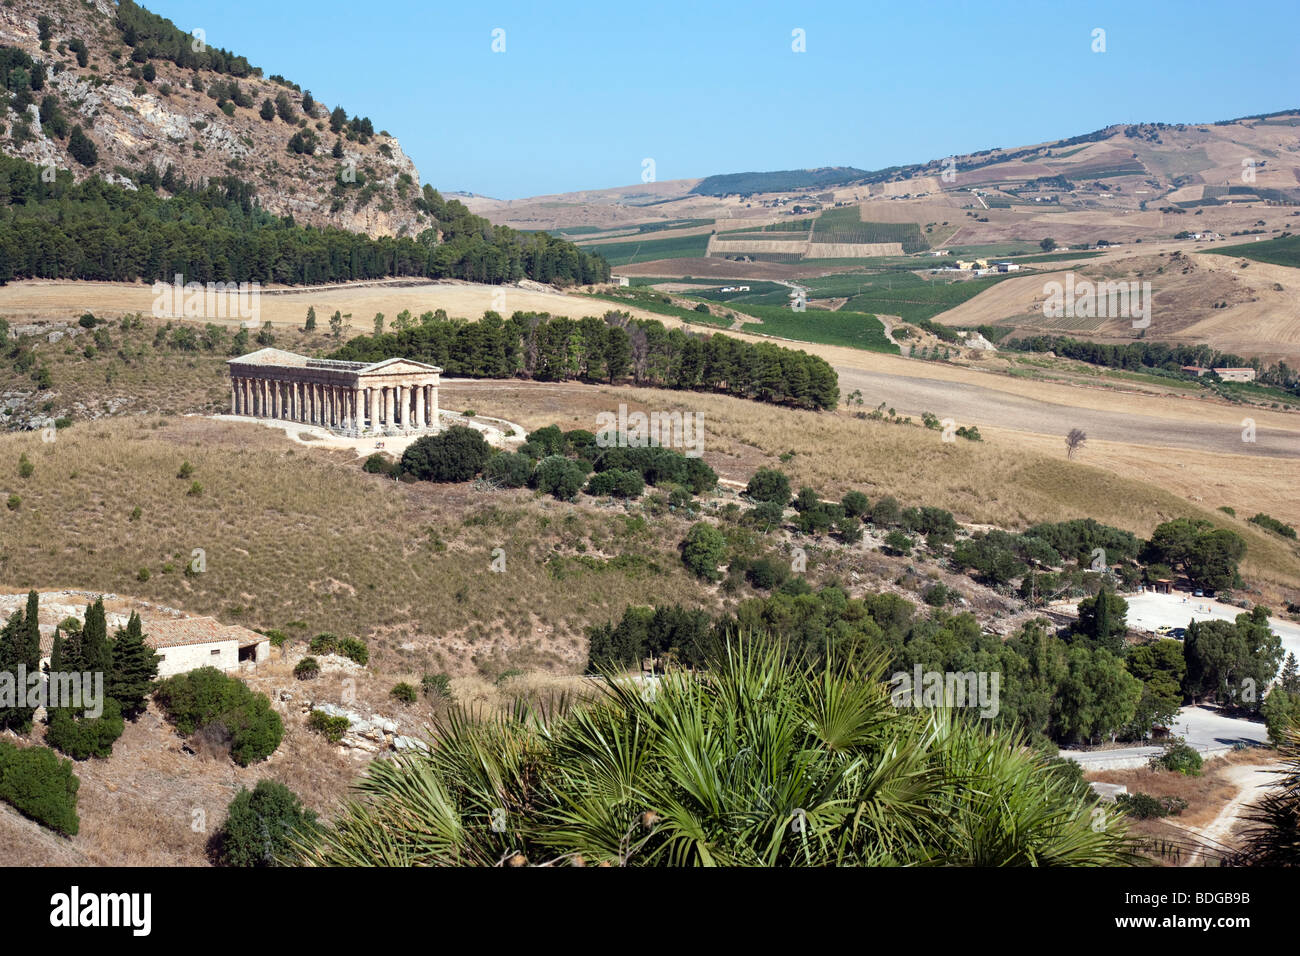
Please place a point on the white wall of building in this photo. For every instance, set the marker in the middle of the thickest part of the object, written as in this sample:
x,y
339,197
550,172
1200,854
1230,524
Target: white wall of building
x,y
223,655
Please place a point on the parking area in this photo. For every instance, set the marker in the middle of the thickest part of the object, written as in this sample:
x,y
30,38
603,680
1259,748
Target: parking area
x,y
1151,610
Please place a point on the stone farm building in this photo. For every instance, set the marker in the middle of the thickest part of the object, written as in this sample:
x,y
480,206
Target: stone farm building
x,y
394,397
188,643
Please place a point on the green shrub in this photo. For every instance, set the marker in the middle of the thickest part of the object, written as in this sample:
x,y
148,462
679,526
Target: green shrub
x,y
277,638
1264,521
81,737
379,464
355,650
1143,806
404,693
40,785
814,520
186,471
616,482
558,476
14,503
938,594
25,467
307,668
325,643
855,504
261,825
454,455
807,499
207,698
437,686
1179,758
330,727
886,513
548,440
509,469
768,484
767,573
848,529
766,515
898,543
703,549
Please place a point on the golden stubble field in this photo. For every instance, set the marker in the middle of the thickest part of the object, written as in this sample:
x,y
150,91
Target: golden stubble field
x,y
287,307
1229,303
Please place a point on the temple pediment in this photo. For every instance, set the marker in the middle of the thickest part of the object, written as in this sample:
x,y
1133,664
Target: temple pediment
x,y
399,366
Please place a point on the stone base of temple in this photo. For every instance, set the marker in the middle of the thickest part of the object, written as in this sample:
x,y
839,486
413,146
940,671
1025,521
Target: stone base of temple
x,y
383,432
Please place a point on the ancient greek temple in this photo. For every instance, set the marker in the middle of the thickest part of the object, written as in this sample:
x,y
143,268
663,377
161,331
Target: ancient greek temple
x,y
393,397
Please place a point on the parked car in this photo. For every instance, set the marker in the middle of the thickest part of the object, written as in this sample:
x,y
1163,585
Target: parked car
x,y
1164,629
1199,593
1178,633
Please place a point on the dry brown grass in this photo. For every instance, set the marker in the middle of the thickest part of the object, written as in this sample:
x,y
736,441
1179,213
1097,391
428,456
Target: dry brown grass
x,y
1207,796
286,307
301,534
1011,479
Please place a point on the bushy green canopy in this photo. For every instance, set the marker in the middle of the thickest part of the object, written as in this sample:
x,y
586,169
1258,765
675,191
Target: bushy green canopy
x,y
753,761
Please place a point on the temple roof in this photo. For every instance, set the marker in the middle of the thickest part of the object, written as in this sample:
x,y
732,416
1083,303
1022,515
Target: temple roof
x,y
282,359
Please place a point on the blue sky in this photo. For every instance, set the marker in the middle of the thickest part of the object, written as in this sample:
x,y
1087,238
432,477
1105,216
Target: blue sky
x,y
585,91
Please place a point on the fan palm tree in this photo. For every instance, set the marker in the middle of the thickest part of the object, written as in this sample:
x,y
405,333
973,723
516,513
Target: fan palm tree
x,y
757,760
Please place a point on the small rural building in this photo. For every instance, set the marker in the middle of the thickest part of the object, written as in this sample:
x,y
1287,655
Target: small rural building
x,y
1236,374
1195,370
187,643
620,281
1007,266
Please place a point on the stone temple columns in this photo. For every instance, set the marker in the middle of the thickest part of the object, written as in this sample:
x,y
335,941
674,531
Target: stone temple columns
x,y
393,397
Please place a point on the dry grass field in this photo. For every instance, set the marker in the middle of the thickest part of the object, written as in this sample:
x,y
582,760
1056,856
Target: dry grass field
x,y
1187,447
286,307
299,534
1250,310
1011,479
1234,776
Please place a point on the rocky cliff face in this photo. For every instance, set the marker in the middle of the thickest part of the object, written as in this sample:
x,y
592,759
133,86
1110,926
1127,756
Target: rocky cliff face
x,y
135,123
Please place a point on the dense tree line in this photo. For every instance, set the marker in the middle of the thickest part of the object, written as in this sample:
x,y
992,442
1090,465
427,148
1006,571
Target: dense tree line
x,y
1078,685
1140,356
154,37
538,346
216,232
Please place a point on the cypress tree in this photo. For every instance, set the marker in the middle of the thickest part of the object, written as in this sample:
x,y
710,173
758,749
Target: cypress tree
x,y
28,653
70,648
9,641
135,665
96,652
20,645
56,653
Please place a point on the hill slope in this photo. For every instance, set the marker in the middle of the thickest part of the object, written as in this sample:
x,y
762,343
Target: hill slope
x,y
147,99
